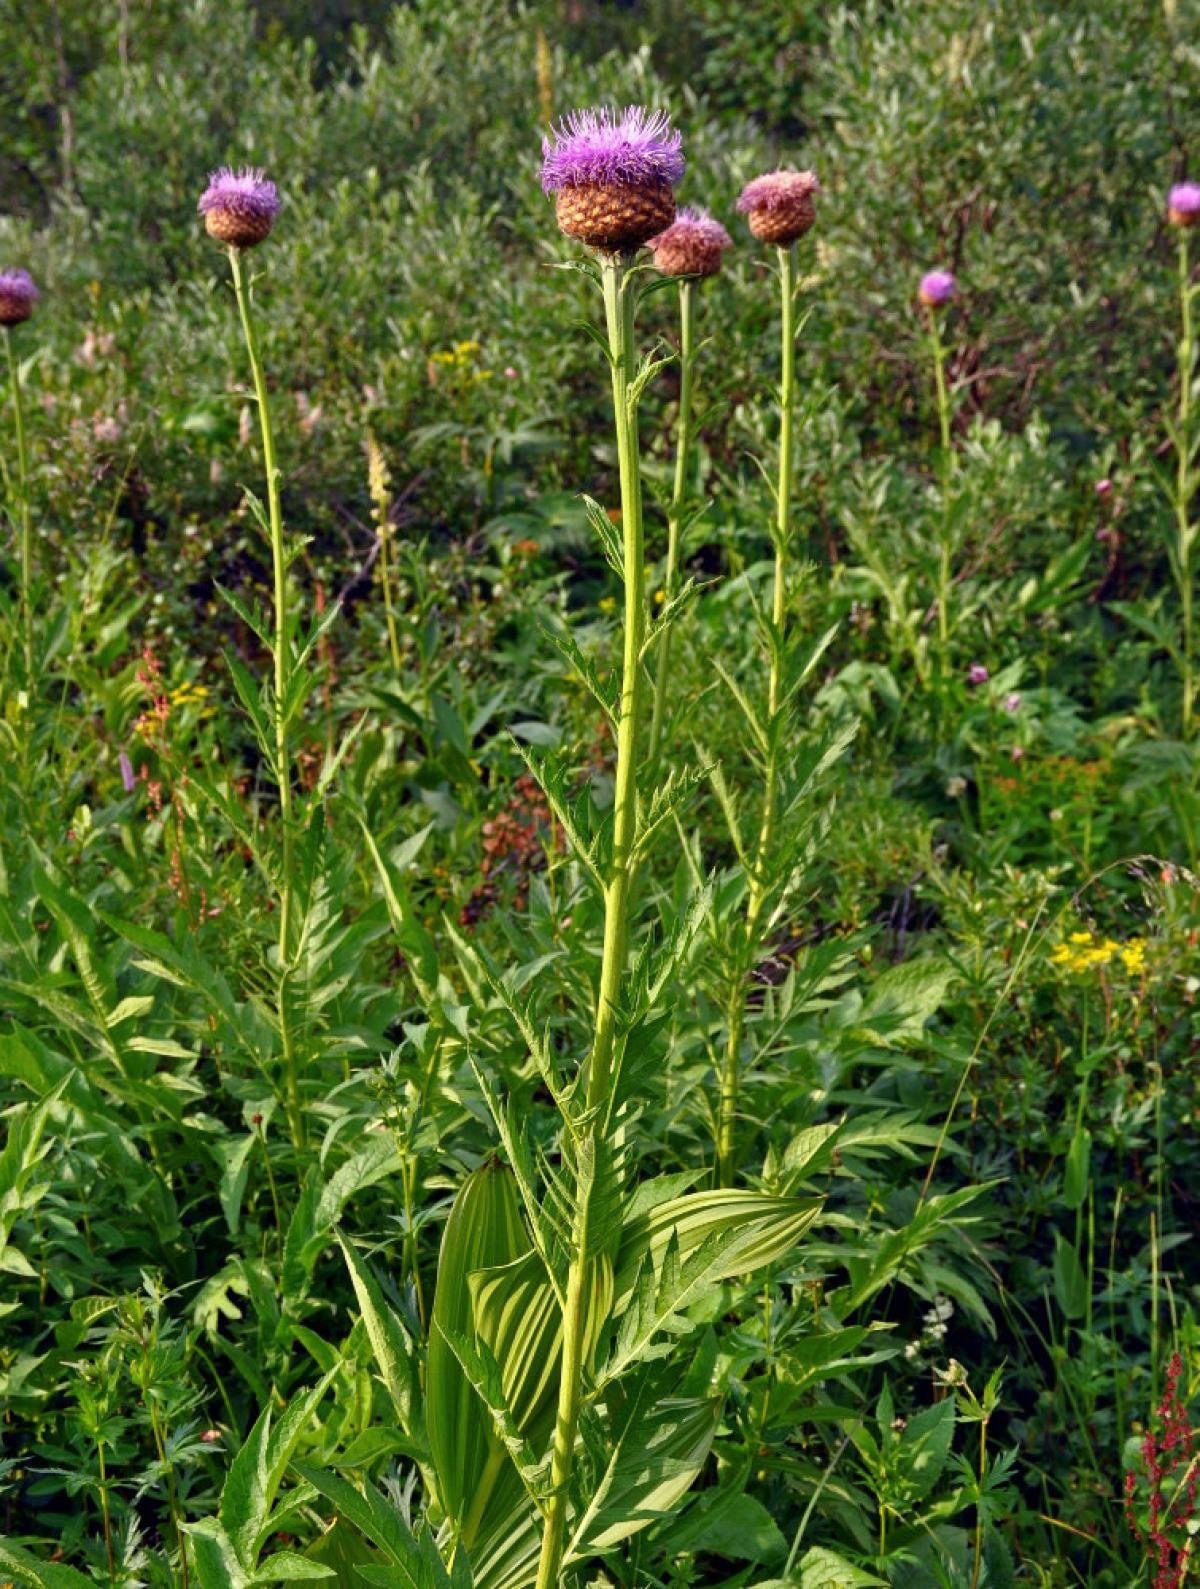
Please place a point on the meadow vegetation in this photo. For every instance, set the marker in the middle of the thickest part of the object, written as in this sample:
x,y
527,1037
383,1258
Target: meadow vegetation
x,y
599,935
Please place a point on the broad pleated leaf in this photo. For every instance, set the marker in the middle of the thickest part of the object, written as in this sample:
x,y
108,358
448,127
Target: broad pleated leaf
x,y
777,1224
484,1229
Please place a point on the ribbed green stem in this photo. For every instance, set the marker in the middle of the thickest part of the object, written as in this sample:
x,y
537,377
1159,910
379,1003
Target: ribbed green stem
x,y
618,306
937,347
683,447
760,860
25,528
1187,360
282,653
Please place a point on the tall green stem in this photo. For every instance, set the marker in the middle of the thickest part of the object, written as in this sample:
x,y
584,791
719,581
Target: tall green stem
x,y
1186,535
24,523
761,858
683,447
938,350
282,651
618,307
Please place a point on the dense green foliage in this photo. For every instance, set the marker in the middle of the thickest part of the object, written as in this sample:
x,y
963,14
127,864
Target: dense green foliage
x,y
972,1027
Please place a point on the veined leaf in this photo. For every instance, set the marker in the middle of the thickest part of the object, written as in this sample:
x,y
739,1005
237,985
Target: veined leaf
x,y
777,1223
658,1450
484,1229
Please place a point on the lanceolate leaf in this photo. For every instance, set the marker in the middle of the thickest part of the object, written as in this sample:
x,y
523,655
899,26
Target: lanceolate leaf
x,y
395,1353
659,1448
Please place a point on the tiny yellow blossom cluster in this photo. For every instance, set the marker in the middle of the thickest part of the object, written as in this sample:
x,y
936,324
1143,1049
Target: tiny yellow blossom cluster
x,y
1084,951
461,361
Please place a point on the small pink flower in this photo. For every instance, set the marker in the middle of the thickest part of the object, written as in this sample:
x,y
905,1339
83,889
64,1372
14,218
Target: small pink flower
x,y
509,373
210,1436
128,777
1012,703
1104,487
1017,752
977,674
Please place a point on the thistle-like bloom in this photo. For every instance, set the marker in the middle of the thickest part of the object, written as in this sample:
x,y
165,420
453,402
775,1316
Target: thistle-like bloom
x,y
937,288
18,295
779,205
1183,204
613,175
977,673
691,246
239,207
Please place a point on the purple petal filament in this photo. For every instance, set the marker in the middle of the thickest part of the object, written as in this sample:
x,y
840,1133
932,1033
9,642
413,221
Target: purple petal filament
x,y
637,148
247,192
937,287
777,190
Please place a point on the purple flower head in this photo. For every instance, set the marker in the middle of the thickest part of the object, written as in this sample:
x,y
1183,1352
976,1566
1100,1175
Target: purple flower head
x,y
18,295
1104,487
977,674
777,190
239,207
1012,703
637,149
779,205
1183,204
937,287
691,246
128,778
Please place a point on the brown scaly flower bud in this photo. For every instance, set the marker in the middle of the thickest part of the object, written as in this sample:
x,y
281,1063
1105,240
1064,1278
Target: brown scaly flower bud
x,y
779,205
691,246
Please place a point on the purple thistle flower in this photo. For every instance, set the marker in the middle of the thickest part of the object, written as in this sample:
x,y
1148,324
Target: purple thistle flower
x,y
1012,703
18,295
779,205
937,288
637,148
1183,204
691,246
128,778
977,674
239,207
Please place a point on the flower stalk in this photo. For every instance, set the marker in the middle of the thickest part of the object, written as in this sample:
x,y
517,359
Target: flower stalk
x,y
282,656
619,296
24,523
730,1079
937,350
679,493
1186,444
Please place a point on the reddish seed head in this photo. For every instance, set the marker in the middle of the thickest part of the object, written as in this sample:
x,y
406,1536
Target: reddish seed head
x,y
18,296
239,207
